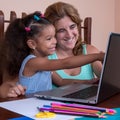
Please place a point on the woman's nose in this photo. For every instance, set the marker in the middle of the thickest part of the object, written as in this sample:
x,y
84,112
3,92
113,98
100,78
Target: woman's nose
x,y
69,33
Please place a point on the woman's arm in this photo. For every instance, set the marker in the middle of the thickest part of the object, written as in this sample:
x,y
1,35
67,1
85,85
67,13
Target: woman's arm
x,y
97,65
58,81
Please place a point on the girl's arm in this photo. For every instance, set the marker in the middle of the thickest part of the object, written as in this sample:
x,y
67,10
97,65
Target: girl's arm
x,y
43,64
16,91
10,88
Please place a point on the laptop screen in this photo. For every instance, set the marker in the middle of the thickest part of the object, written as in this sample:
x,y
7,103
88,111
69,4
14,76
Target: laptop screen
x,y
110,76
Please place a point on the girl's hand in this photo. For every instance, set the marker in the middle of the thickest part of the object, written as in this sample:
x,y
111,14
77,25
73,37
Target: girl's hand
x,y
15,91
101,56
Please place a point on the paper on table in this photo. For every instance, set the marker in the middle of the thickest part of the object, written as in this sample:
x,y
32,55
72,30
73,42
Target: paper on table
x,y
28,107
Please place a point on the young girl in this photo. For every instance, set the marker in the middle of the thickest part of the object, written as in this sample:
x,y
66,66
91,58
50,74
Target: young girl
x,y
28,42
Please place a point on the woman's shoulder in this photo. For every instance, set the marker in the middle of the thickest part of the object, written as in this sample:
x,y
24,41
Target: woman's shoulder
x,y
91,49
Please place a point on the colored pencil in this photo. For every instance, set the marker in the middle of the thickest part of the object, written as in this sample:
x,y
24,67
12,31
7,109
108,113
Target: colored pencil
x,y
72,113
74,109
106,110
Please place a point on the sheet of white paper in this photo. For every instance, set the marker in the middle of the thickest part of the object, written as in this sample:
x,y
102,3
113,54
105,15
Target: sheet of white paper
x,y
28,107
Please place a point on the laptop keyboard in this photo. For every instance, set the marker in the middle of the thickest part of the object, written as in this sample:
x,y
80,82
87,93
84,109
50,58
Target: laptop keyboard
x,y
83,94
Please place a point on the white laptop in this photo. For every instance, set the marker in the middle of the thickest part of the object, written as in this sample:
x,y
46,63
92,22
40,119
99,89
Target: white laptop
x,y
109,83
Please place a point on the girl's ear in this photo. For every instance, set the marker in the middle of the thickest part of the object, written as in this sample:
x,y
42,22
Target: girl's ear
x,y
31,44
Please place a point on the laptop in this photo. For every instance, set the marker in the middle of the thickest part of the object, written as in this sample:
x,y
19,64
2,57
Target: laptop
x,y
109,83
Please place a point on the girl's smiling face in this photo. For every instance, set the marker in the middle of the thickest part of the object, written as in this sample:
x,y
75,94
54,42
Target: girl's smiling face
x,y
46,43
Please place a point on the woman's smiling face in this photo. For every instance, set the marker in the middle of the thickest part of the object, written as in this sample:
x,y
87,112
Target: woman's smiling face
x,y
66,33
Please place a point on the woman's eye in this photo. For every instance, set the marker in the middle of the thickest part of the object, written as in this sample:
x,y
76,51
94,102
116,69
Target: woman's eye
x,y
73,26
60,30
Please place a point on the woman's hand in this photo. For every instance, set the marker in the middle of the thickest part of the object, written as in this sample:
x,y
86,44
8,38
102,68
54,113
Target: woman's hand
x,y
93,81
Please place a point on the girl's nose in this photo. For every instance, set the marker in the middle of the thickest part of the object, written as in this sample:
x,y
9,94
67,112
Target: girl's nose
x,y
54,40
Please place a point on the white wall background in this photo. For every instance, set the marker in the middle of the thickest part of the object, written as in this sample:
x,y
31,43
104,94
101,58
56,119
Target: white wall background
x,y
117,16
101,11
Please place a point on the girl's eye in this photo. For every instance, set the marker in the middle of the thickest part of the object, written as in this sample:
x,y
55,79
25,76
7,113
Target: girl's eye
x,y
49,38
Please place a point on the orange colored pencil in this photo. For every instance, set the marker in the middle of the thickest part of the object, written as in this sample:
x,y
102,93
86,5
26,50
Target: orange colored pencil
x,y
76,109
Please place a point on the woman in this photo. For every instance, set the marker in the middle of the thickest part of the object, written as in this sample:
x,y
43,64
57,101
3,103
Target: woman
x,y
69,43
